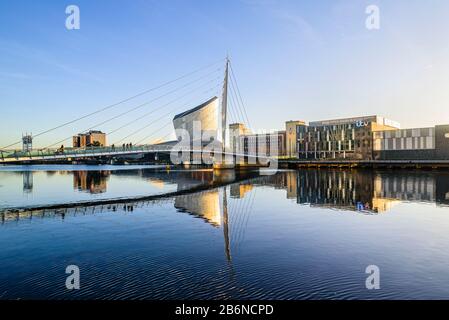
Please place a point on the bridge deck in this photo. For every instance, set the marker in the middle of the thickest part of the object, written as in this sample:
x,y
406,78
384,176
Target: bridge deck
x,y
72,153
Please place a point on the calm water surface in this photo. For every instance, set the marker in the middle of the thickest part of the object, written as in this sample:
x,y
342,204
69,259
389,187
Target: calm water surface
x,y
293,235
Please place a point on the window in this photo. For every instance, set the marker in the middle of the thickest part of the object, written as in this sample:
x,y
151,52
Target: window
x,y
430,143
408,143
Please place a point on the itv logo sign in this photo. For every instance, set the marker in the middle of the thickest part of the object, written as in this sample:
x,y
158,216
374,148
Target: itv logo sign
x,y
360,124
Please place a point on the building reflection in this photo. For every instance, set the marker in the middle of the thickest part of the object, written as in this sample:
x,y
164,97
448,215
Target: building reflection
x,y
96,181
205,205
27,181
91,181
238,191
356,190
212,207
362,191
442,189
367,191
347,190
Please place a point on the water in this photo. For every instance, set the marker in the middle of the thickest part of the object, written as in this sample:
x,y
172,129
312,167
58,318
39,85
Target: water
x,y
306,234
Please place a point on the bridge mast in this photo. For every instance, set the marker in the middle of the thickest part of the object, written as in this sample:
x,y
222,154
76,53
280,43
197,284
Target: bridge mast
x,y
224,106
226,226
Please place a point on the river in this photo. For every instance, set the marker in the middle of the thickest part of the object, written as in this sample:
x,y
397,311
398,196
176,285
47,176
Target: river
x,y
306,234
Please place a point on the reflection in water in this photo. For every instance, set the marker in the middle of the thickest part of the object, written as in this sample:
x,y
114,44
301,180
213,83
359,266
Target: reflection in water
x,y
148,246
210,205
27,181
367,191
96,181
239,191
363,191
57,185
91,181
204,204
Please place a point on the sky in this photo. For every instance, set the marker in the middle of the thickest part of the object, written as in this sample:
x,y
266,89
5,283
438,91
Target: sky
x,y
293,60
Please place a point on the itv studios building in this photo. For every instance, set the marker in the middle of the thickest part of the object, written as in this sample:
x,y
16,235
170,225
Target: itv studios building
x,y
365,138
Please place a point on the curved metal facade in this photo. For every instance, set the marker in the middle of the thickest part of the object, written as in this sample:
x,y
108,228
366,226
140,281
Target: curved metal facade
x,y
204,116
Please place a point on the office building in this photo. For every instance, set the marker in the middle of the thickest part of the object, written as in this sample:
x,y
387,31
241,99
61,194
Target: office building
x,y
236,130
431,143
93,138
263,144
349,138
243,142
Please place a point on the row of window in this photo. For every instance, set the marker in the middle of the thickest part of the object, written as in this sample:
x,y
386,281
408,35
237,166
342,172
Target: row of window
x,y
405,133
409,143
326,135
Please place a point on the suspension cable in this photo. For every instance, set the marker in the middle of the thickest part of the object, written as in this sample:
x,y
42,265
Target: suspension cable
x,y
139,106
138,130
167,124
238,91
118,103
236,106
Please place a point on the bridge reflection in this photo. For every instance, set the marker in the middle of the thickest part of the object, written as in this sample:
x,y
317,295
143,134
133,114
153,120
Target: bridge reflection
x,y
209,205
229,207
367,191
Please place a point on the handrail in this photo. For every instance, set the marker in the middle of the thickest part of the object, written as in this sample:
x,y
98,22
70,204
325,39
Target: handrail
x,y
47,153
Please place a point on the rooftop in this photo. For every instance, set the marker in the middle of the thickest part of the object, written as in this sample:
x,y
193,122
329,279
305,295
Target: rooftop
x,y
183,114
90,132
375,118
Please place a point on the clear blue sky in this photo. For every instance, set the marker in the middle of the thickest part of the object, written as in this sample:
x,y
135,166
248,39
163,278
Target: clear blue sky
x,y
294,59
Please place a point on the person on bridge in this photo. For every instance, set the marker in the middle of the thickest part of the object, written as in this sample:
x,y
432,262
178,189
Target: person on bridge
x,y
123,146
130,145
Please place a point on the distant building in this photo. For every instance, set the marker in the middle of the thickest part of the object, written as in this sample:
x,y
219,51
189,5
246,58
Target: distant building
x,y
244,142
349,138
291,137
412,144
262,144
89,139
235,131
91,181
368,138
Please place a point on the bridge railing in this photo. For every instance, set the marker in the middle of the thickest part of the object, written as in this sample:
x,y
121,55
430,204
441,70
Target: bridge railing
x,y
68,152
36,153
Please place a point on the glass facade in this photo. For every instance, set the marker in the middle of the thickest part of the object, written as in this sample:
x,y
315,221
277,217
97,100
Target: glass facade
x,y
350,138
335,141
